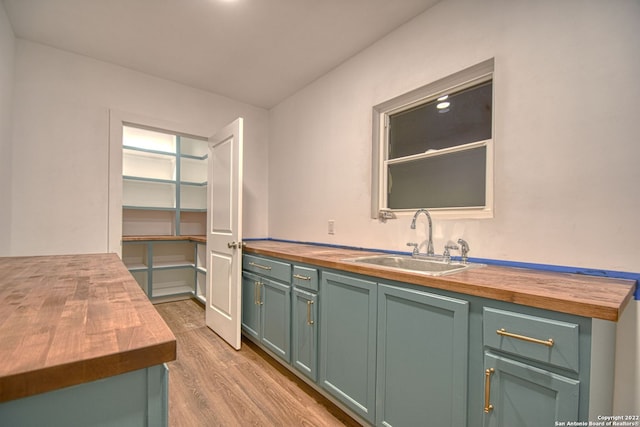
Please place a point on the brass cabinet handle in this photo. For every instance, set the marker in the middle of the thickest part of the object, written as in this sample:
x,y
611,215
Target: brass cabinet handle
x,y
301,277
263,267
488,407
504,333
260,302
309,320
256,293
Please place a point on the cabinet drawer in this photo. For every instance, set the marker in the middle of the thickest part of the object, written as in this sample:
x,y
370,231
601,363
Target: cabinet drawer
x,y
536,338
304,277
267,267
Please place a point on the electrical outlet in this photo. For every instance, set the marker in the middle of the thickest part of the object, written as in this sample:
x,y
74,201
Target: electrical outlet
x,y
331,227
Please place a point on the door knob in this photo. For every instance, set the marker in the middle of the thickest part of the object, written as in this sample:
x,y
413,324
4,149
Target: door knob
x,y
232,245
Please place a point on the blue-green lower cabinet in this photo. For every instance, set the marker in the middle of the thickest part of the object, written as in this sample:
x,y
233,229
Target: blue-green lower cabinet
x,y
266,313
517,394
304,348
421,359
276,318
250,305
348,341
402,355
134,399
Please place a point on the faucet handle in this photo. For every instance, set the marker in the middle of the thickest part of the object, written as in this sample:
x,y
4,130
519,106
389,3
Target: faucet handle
x,y
415,248
449,246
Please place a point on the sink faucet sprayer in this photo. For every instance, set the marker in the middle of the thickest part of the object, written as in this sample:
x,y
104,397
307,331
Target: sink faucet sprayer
x,y
430,251
464,249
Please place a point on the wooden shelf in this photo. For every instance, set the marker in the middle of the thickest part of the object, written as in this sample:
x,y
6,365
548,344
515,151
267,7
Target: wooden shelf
x,y
151,194
165,265
144,164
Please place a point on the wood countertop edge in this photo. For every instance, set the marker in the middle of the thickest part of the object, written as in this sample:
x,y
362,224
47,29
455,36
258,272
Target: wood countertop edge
x,y
464,283
51,378
157,238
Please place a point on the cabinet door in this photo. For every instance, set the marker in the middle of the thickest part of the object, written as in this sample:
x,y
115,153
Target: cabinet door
x,y
276,317
422,358
348,341
305,333
522,395
251,304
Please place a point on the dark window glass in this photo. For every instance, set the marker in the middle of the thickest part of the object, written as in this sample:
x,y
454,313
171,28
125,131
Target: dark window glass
x,y
466,119
446,181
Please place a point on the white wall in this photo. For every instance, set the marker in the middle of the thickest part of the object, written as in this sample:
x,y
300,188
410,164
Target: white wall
x,y
566,138
61,144
7,43
565,134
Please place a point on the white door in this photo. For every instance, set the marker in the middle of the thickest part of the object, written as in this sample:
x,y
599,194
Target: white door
x,y
224,233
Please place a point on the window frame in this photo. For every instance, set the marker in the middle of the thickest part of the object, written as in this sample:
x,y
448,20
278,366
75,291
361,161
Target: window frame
x,y
468,77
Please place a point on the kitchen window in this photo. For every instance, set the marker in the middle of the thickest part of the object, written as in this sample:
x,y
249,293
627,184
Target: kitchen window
x,y
433,147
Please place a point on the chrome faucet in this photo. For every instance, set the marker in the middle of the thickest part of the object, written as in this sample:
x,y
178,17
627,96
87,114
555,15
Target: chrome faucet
x,y
430,251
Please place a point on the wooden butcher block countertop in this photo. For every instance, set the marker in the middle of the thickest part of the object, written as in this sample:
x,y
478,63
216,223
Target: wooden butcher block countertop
x,y
161,238
71,319
589,296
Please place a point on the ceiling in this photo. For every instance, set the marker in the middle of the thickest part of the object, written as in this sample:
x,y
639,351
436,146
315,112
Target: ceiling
x,y
254,51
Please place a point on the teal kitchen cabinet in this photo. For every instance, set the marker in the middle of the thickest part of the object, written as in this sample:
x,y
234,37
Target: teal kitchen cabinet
x,y
250,305
348,341
304,334
400,354
266,304
276,317
137,399
422,354
518,394
521,354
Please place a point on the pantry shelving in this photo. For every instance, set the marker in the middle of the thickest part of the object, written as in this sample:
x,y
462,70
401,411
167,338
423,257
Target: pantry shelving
x,y
164,212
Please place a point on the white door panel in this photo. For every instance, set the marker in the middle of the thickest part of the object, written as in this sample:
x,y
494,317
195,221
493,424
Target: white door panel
x,y
222,189
222,293
224,233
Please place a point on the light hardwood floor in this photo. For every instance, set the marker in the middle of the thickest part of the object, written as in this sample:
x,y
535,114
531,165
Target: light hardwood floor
x,y
211,384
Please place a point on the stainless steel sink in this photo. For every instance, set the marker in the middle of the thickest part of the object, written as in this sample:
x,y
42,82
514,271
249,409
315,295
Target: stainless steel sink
x,y
429,266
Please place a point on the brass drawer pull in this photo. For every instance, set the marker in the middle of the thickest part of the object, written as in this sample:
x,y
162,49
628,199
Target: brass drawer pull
x,y
488,407
309,320
257,298
301,277
255,293
264,267
504,333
